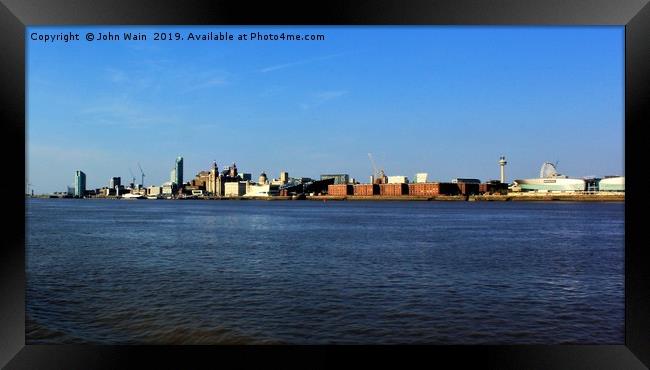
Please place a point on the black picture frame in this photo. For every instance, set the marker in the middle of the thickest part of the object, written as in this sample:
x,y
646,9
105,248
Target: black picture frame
x,y
15,15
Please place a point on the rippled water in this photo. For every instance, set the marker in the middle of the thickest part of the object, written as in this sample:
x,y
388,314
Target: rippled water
x,y
213,272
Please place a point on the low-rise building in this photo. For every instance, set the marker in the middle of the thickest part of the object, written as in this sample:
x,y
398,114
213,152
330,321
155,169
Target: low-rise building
x,y
612,183
262,190
108,192
421,177
154,190
235,189
466,181
393,189
398,180
366,189
168,188
339,178
340,189
430,189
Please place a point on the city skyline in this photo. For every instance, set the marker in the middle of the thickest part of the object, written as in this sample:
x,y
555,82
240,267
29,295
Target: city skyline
x,y
448,101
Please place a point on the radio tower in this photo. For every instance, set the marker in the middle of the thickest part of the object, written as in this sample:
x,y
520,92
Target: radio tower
x,y
502,163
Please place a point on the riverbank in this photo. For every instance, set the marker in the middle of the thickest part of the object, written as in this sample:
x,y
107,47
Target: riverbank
x,y
516,197
532,197
512,197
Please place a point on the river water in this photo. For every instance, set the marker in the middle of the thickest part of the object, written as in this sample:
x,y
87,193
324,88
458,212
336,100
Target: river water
x,y
336,272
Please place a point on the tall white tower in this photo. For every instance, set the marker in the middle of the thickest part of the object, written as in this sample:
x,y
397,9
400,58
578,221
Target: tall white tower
x,y
502,163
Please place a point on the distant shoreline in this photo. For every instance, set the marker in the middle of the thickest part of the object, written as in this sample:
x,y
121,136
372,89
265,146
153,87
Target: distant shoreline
x,y
488,198
525,197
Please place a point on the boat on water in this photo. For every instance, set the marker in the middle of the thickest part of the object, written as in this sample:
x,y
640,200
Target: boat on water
x,y
550,180
154,197
133,196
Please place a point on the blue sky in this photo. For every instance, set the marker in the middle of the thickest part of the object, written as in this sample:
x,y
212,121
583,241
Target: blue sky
x,y
444,100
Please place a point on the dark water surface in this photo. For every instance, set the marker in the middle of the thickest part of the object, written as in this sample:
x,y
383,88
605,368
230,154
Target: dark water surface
x,y
211,272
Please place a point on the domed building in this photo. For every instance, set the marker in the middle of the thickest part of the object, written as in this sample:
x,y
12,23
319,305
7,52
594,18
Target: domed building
x,y
263,179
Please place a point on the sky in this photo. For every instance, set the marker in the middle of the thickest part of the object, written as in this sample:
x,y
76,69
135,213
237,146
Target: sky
x,y
448,101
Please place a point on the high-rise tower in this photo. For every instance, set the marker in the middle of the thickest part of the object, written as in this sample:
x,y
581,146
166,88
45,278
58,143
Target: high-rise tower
x,y
178,171
79,184
502,163
115,181
215,183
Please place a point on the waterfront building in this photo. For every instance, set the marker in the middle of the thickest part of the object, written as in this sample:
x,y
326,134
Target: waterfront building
x,y
246,176
381,178
421,178
550,181
232,170
213,184
284,177
340,189
215,181
201,179
612,183
79,184
262,179
339,178
550,185
430,189
189,189
168,188
317,186
154,190
115,181
176,174
466,181
178,171
398,180
235,189
262,190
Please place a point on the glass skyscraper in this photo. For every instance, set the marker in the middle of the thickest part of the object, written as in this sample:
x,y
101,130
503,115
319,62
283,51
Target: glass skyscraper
x,y
178,171
79,184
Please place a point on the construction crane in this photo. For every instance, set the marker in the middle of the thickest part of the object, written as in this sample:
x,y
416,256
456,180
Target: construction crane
x,y
142,172
377,174
132,177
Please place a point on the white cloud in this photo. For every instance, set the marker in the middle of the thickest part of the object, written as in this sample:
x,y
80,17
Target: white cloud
x,y
323,97
122,112
296,63
210,82
116,75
